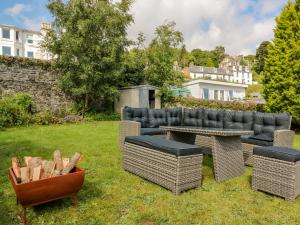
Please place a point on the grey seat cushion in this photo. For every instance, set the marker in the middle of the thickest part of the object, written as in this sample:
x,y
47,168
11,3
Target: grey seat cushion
x,y
260,140
152,131
213,118
269,122
281,153
238,120
193,117
162,145
174,116
136,114
157,117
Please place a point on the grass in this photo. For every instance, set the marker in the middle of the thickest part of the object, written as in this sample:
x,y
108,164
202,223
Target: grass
x,y
112,196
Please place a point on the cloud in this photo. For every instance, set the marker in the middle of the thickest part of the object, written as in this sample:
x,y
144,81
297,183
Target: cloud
x,y
33,24
239,26
17,9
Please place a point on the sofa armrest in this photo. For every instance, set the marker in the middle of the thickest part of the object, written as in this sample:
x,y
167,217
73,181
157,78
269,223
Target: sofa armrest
x,y
284,138
128,128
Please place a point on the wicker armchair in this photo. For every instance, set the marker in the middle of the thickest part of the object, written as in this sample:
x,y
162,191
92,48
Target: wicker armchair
x,y
282,138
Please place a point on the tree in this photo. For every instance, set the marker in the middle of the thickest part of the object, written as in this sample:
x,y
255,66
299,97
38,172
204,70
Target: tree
x,y
261,54
134,64
88,39
207,58
218,55
160,70
282,65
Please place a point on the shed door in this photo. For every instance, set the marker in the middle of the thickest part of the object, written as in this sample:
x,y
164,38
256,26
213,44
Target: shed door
x,y
151,99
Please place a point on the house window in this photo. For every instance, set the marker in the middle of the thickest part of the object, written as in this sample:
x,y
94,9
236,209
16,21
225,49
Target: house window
x,y
17,35
222,95
29,39
230,94
6,50
6,33
30,54
205,93
18,52
216,94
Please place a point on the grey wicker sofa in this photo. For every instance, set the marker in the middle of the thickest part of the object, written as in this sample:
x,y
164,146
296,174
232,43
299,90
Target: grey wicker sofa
x,y
270,129
174,165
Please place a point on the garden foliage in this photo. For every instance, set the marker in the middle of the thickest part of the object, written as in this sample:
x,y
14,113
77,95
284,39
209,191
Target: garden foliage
x,y
282,65
190,102
15,110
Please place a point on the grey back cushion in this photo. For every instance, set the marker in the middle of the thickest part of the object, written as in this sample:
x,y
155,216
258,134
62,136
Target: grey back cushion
x,y
174,116
238,120
157,117
213,118
269,122
136,114
193,117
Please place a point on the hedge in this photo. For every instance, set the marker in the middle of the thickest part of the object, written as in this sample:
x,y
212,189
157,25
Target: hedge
x,y
191,102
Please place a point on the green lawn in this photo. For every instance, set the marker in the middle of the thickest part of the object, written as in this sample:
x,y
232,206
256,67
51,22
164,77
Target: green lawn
x,y
111,196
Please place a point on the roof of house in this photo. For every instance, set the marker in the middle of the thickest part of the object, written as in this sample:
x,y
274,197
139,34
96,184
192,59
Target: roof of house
x,y
140,86
209,70
20,29
216,82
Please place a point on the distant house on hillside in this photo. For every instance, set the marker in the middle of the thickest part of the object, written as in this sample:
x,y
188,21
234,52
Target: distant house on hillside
x,y
216,90
226,83
22,42
241,72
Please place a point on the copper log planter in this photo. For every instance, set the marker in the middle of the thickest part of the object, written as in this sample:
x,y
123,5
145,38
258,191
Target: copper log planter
x,y
46,190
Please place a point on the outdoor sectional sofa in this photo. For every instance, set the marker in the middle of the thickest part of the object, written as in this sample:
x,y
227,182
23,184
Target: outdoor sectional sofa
x,y
270,129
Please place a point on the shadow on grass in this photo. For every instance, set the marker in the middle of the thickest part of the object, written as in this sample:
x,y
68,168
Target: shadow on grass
x,y
89,191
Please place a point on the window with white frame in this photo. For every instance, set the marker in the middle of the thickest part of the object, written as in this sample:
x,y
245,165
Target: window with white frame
x,y
205,93
5,33
216,94
30,54
230,94
29,39
17,35
222,95
6,50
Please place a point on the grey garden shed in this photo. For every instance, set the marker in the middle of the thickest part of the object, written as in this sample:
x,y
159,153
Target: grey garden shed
x,y
139,97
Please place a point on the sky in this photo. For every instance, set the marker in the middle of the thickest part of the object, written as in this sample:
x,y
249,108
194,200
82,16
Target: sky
x,y
238,25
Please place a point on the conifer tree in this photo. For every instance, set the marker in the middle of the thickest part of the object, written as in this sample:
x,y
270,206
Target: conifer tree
x,y
282,67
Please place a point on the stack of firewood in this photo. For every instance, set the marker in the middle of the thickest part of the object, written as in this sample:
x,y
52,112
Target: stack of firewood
x,y
35,168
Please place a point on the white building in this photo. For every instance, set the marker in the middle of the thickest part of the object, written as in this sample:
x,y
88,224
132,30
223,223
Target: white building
x,y
216,90
21,42
240,71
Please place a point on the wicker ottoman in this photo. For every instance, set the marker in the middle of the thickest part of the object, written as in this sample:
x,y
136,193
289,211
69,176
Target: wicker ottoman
x,y
173,165
276,170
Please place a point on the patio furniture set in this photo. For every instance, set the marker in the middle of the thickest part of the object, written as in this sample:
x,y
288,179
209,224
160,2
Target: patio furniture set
x,y
166,146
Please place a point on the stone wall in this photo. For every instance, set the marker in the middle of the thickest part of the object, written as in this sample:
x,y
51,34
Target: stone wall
x,y
39,82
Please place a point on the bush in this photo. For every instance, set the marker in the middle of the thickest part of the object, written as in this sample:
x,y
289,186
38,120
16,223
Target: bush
x,y
201,103
15,110
45,118
105,116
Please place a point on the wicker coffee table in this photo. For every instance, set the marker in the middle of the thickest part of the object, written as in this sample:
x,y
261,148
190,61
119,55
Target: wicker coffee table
x,y
226,147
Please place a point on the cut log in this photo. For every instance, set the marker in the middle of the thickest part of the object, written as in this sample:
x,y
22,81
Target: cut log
x,y
33,163
16,168
65,162
36,161
48,167
24,174
58,160
36,173
27,160
71,164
